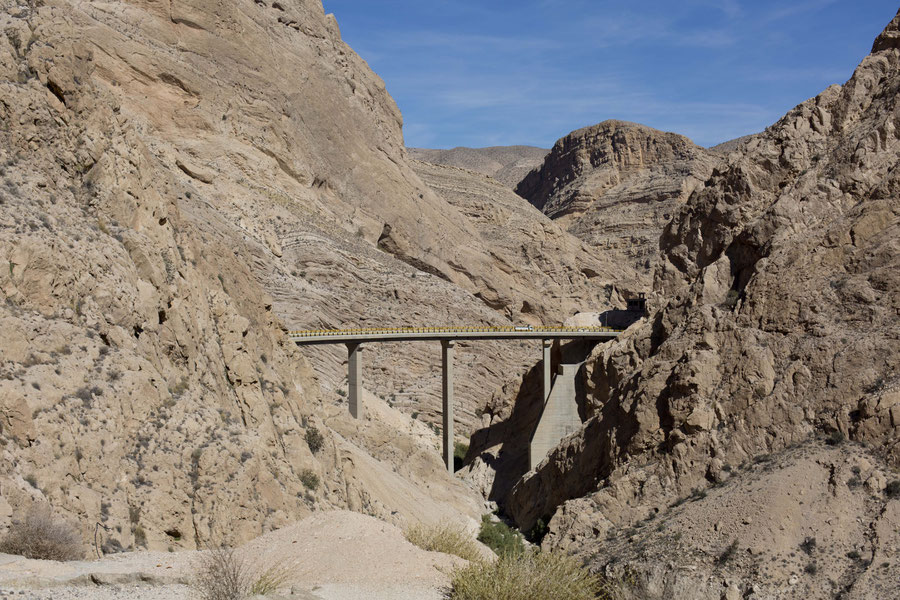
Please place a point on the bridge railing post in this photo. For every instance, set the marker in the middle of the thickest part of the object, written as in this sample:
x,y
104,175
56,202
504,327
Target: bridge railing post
x,y
354,379
447,395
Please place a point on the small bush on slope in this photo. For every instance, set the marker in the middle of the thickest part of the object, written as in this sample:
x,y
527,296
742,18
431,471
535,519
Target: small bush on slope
x,y
444,537
42,536
529,575
500,537
223,574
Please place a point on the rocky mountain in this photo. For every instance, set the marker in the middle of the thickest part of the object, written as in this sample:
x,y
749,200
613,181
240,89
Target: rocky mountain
x,y
615,185
160,177
180,183
506,164
744,442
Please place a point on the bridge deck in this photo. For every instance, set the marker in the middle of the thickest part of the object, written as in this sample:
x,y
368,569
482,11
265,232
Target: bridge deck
x,y
404,334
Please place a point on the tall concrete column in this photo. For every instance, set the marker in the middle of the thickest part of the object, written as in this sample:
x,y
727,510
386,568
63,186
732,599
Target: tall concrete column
x,y
354,379
547,345
447,373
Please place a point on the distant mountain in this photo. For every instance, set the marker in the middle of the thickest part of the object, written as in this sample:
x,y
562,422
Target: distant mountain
x,y
506,164
616,184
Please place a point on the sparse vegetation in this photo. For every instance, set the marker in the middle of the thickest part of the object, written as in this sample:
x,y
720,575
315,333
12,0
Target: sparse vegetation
x,y
728,554
500,537
459,455
808,545
731,299
460,450
270,580
42,536
529,575
892,490
835,439
309,479
314,439
448,538
222,575
540,529
140,536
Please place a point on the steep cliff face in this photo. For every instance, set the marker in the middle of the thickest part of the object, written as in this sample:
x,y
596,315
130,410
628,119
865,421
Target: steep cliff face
x,y
615,185
161,175
776,326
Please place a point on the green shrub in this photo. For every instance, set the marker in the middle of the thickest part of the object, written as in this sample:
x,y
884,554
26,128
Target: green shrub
x,y
460,450
500,537
530,575
835,439
808,545
731,299
309,479
314,439
893,489
536,534
444,537
42,536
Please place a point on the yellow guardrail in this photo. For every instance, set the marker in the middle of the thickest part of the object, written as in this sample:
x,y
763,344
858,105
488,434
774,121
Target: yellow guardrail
x,y
401,330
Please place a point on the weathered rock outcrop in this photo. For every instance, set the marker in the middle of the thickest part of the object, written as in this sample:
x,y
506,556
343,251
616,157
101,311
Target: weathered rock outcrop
x,y
158,169
615,185
776,325
506,164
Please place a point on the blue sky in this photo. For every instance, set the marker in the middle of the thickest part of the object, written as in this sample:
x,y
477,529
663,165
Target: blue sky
x,y
495,72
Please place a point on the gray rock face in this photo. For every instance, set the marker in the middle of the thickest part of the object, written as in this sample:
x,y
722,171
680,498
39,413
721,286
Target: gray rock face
x,y
615,185
776,326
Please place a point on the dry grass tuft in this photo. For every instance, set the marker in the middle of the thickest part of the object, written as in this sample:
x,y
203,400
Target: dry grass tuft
x,y
42,536
529,575
271,579
444,537
223,574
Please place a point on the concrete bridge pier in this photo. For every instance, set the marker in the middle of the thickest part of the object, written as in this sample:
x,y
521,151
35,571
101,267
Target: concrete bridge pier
x,y
447,347
547,380
354,379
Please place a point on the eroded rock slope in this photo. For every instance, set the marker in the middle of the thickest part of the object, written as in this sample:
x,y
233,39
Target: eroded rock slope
x,y
181,181
775,340
506,164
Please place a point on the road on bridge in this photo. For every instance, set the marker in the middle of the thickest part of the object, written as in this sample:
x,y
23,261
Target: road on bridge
x,y
408,334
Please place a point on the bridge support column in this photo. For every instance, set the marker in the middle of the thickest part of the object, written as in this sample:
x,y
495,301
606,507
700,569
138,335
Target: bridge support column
x,y
547,381
447,372
354,379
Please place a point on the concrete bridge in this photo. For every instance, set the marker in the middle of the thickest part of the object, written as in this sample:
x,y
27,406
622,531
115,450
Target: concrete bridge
x,y
553,424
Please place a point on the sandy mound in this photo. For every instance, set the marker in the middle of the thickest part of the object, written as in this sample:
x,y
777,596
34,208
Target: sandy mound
x,y
337,555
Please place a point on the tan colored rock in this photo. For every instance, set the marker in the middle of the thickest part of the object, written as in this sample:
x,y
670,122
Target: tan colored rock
x,y
155,163
615,185
796,346
505,164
